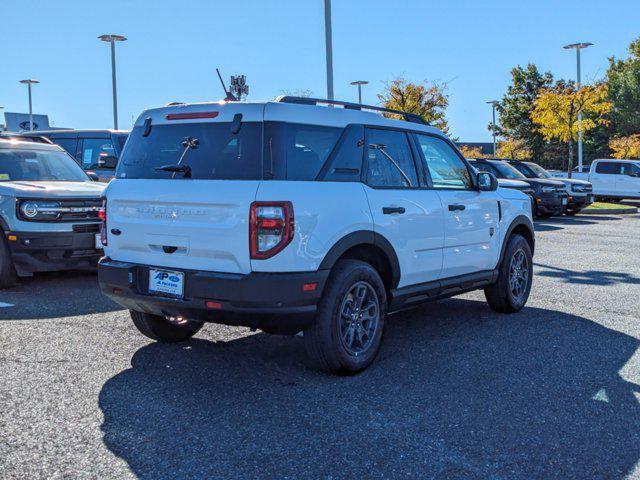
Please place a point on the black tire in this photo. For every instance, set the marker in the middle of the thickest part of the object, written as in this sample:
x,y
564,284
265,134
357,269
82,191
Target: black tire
x,y
162,330
544,215
572,212
327,340
502,296
7,270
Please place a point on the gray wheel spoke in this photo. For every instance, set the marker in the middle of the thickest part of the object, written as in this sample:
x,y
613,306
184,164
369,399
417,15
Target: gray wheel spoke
x,y
359,317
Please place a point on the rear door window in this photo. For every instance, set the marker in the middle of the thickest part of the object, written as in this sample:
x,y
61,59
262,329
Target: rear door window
x,y
390,162
297,151
609,168
220,154
92,148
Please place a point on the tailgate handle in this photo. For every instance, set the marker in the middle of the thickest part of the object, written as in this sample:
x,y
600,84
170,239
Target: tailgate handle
x,y
169,249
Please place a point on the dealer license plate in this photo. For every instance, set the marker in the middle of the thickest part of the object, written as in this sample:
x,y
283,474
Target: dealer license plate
x,y
166,282
98,241
564,201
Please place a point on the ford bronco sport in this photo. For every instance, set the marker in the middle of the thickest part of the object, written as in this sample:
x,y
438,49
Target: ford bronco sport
x,y
48,211
293,216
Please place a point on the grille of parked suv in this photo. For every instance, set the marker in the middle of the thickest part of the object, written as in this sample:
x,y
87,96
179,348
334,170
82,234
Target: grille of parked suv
x,y
59,210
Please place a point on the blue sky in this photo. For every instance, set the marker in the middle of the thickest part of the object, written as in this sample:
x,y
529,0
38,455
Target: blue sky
x,y
175,46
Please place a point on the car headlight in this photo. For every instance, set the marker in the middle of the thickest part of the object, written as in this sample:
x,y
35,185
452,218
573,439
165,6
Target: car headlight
x,y
548,189
578,188
34,210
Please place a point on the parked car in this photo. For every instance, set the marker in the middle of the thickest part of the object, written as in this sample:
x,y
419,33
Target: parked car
x,y
515,181
95,150
289,216
549,196
613,179
48,211
580,191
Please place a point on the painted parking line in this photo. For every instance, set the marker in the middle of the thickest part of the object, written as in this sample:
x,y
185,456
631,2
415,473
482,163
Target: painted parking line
x,y
6,305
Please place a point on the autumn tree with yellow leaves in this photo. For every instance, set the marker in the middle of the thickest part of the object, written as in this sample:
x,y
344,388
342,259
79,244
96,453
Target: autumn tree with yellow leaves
x,y
471,152
514,148
626,147
428,101
557,109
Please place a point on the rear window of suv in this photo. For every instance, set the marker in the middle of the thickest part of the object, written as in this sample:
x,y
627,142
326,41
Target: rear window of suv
x,y
270,150
220,154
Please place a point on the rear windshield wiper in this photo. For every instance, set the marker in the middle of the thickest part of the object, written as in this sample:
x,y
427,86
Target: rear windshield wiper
x,y
189,143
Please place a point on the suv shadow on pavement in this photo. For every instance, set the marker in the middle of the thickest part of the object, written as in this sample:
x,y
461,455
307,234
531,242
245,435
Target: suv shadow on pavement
x,y
457,392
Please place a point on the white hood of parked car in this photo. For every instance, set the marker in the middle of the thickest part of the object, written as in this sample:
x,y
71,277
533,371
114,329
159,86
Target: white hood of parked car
x,y
52,189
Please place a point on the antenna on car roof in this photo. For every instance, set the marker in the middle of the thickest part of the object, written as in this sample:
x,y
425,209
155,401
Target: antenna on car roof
x,y
229,95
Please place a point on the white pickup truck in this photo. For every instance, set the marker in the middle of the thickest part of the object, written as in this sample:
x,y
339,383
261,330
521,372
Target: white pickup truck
x,y
613,178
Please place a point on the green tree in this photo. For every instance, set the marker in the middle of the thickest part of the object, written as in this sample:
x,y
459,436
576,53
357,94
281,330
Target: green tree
x,y
429,100
623,85
517,104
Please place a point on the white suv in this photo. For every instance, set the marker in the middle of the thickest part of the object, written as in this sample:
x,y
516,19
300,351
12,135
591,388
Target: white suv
x,y
294,216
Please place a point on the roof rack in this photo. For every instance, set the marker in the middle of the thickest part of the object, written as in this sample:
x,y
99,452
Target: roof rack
x,y
26,138
408,117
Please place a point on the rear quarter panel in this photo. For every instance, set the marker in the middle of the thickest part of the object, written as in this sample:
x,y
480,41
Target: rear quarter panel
x,y
324,212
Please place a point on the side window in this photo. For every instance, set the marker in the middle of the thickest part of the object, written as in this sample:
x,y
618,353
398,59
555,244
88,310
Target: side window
x,y
297,151
445,167
69,144
92,148
609,168
631,169
345,163
389,160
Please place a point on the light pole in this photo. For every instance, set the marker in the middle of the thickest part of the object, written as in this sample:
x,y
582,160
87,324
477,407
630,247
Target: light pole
x,y
1,124
493,104
578,47
112,39
29,82
359,83
329,47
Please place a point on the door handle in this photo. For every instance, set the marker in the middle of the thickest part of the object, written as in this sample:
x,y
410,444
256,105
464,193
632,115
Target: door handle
x,y
453,208
390,210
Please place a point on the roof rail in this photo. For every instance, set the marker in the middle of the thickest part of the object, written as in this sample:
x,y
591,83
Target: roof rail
x,y
408,117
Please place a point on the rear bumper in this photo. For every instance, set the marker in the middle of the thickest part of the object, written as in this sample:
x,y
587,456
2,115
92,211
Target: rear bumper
x,y
274,302
52,251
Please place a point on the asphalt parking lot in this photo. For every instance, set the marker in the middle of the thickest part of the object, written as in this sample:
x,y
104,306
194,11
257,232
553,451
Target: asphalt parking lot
x,y
457,391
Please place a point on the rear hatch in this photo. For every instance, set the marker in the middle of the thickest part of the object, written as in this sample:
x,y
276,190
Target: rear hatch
x,y
197,217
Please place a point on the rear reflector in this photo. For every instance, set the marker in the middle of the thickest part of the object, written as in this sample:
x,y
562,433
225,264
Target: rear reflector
x,y
117,291
190,115
309,287
213,305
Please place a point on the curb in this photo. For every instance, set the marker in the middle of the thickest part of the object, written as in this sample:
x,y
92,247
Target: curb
x,y
609,211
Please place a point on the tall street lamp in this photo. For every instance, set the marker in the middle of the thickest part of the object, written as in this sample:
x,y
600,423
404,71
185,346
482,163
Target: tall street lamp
x,y
578,47
329,47
112,39
359,83
29,82
493,104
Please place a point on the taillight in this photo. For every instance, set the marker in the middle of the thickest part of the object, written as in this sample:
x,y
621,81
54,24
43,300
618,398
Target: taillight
x,y
271,228
102,214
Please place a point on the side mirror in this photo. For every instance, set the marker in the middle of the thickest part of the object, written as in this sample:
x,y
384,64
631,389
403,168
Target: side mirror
x,y
487,182
108,162
93,176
